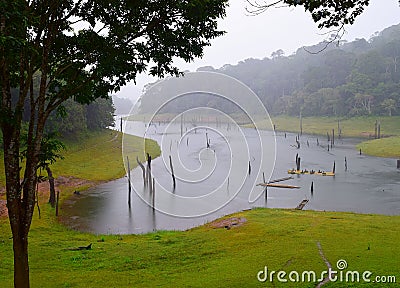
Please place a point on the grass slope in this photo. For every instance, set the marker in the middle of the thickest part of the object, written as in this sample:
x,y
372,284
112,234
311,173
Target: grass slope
x,y
351,127
201,257
386,147
207,257
360,127
96,156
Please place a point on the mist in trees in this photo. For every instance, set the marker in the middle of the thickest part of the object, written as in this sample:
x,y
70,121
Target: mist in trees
x,y
345,79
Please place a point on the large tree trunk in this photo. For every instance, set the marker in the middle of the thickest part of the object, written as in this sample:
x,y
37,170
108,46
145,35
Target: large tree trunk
x,y
20,209
21,265
52,198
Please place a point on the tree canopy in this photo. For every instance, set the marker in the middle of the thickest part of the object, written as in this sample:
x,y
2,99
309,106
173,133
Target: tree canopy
x,y
326,13
81,50
361,77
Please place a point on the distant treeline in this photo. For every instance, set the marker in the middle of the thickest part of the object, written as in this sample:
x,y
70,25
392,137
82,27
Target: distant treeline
x,y
344,79
74,118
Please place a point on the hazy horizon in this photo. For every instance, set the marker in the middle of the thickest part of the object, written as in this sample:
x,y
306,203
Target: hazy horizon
x,y
250,36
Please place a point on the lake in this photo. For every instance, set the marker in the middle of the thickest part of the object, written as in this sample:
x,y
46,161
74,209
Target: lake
x,y
216,181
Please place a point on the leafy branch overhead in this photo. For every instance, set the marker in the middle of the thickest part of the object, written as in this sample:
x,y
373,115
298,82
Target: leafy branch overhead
x,y
326,13
52,51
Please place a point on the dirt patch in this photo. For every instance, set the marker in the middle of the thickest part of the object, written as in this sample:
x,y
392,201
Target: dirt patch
x,y
366,134
60,184
3,208
229,222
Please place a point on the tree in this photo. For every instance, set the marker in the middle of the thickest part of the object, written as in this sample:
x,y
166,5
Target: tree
x,y
100,114
50,149
389,105
326,13
83,50
363,103
278,53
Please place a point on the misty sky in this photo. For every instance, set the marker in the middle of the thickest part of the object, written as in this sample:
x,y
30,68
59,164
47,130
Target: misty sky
x,y
278,28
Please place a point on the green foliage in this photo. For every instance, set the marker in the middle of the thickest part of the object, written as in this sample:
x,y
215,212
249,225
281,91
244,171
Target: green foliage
x,y
100,114
326,13
69,119
353,79
351,127
50,150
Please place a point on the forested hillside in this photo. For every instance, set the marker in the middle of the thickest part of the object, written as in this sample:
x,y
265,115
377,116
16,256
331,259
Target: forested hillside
x,y
353,78
344,79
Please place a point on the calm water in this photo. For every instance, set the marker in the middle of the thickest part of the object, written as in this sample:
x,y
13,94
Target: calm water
x,y
371,185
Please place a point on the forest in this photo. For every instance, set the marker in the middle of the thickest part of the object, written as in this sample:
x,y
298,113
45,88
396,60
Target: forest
x,y
331,78
344,79
73,118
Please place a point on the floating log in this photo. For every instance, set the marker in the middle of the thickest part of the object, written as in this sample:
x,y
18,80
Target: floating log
x,y
302,204
278,180
278,185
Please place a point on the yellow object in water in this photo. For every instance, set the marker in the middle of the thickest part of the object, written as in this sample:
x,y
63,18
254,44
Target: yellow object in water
x,y
300,172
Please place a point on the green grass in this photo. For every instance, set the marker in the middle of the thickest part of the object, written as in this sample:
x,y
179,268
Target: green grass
x,y
351,127
359,127
97,156
386,147
207,257
203,256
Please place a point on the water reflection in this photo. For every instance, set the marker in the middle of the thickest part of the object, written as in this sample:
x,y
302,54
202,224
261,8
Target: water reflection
x,y
370,185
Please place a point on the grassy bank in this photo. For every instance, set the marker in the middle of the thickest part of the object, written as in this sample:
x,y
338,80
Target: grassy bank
x,y
359,127
201,257
205,256
97,156
351,127
387,147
